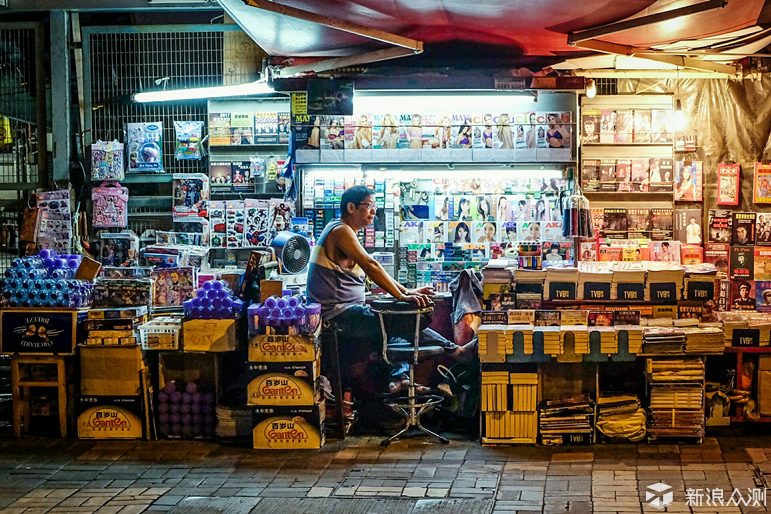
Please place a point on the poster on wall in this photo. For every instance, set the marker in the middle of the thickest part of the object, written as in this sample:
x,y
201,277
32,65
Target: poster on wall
x,y
761,190
330,97
728,183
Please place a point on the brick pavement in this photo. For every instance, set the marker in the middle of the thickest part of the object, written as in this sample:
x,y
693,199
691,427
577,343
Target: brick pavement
x,y
68,476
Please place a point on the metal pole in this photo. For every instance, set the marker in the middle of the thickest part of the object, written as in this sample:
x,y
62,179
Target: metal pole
x,y
60,95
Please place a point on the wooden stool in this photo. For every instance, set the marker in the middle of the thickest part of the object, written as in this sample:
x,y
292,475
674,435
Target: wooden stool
x,y
21,389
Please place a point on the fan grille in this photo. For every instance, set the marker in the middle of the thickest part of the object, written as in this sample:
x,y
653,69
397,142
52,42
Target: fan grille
x,y
295,254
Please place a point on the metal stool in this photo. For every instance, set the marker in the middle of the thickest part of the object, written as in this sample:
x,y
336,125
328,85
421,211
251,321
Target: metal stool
x,y
329,330
412,407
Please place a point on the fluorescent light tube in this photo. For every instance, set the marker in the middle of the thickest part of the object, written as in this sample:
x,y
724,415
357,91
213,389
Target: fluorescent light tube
x,y
251,88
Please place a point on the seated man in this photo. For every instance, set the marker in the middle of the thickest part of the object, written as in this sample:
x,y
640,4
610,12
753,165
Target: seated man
x,y
336,277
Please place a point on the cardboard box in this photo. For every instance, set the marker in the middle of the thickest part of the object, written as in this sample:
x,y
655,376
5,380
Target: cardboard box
x,y
278,348
110,417
41,331
284,383
764,385
289,428
118,312
209,335
110,370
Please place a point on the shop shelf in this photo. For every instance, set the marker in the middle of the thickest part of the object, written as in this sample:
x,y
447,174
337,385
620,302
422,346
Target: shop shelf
x,y
742,419
148,178
748,349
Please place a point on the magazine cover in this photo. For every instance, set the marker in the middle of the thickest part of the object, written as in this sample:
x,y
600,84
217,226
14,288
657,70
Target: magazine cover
x,y
482,208
615,224
590,174
590,126
271,128
283,127
242,128
519,209
661,120
624,126
763,296
607,126
660,174
589,251
762,263
728,183
220,175
500,208
459,231
508,232
608,175
638,223
624,175
412,233
611,253
718,254
691,254
665,251
484,232
662,222
720,226
598,220
600,318
688,181
688,225
385,132
742,295
640,175
544,318
642,126
555,253
761,190
219,128
743,228
551,230
529,231
763,230
436,231
742,263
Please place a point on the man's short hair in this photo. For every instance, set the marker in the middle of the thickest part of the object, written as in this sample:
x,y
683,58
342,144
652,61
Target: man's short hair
x,y
354,195
745,284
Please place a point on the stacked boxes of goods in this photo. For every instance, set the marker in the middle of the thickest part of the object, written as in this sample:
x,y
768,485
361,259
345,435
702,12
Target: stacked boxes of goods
x,y
509,403
284,367
113,378
105,331
45,280
676,406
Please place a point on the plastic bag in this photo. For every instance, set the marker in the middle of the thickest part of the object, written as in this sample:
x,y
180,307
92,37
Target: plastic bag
x,y
189,135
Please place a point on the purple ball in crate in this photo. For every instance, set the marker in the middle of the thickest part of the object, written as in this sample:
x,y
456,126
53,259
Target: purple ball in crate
x,y
208,430
187,398
163,397
173,408
208,420
184,408
207,409
195,408
186,419
164,429
200,293
197,419
191,387
197,397
176,429
163,408
175,397
197,430
163,419
208,398
170,387
187,430
175,418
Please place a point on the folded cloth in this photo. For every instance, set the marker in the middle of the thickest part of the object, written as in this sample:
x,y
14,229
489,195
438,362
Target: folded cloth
x,y
466,291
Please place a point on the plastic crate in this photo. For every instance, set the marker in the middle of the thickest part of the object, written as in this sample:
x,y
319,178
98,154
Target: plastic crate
x,y
161,333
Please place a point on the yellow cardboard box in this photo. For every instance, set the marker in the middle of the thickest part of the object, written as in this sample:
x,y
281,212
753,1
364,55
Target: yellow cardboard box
x,y
283,348
289,428
209,335
107,417
110,370
284,383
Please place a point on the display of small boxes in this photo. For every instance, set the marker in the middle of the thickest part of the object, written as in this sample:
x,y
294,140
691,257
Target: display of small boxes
x,y
494,343
608,342
552,344
580,337
161,333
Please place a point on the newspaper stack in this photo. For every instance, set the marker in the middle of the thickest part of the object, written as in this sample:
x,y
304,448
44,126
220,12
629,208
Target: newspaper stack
x,y
580,335
663,340
494,343
513,333
559,274
730,325
705,272
562,419
591,272
634,336
495,387
552,344
608,342
498,271
234,421
664,273
704,341
626,273
620,415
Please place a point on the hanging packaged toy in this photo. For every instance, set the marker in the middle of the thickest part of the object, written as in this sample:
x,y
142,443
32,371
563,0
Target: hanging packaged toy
x,y
189,135
110,201
107,160
257,167
145,147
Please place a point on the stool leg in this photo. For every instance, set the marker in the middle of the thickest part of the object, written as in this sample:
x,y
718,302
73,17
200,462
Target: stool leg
x,y
17,401
62,376
339,398
422,411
